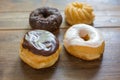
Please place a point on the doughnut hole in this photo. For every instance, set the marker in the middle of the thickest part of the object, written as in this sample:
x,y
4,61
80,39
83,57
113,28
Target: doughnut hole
x,y
84,35
45,15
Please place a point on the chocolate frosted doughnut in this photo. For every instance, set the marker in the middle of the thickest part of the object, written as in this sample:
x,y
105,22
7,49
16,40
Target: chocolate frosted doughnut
x,y
45,18
39,49
40,42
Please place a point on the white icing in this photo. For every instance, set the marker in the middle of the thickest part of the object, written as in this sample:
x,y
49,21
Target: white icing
x,y
38,37
74,34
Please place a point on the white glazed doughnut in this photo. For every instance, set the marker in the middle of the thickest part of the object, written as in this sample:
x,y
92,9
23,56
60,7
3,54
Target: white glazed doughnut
x,y
84,41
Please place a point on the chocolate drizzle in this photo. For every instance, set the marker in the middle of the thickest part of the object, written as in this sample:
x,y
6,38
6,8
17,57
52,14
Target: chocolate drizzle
x,y
40,42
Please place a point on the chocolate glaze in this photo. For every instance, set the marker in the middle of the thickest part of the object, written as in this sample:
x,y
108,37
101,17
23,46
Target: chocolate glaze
x,y
45,18
40,42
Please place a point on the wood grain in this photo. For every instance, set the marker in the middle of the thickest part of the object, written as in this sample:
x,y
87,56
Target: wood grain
x,y
14,24
67,68
14,14
28,5
99,5
20,20
20,5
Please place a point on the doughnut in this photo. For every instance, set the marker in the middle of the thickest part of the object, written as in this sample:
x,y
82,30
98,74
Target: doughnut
x,y
45,18
77,12
84,41
39,49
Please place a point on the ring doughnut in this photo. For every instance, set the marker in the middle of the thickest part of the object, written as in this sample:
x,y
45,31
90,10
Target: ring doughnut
x,y
39,49
45,18
84,42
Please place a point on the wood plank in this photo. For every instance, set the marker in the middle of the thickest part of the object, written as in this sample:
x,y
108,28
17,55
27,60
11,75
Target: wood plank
x,y
20,5
67,68
19,20
98,5
29,5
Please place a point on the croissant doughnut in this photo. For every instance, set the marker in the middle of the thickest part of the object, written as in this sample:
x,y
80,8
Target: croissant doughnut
x,y
77,12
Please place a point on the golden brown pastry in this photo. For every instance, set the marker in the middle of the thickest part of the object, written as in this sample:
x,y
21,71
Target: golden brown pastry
x,y
39,49
84,42
77,12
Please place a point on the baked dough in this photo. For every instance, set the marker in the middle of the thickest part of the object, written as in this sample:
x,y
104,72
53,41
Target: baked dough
x,y
77,12
45,18
84,42
37,61
39,49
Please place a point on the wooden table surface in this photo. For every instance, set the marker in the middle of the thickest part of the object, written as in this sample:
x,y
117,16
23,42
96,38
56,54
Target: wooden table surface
x,y
14,16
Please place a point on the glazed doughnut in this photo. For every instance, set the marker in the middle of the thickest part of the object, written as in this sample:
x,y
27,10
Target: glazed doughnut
x,y
84,42
45,18
39,49
77,12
